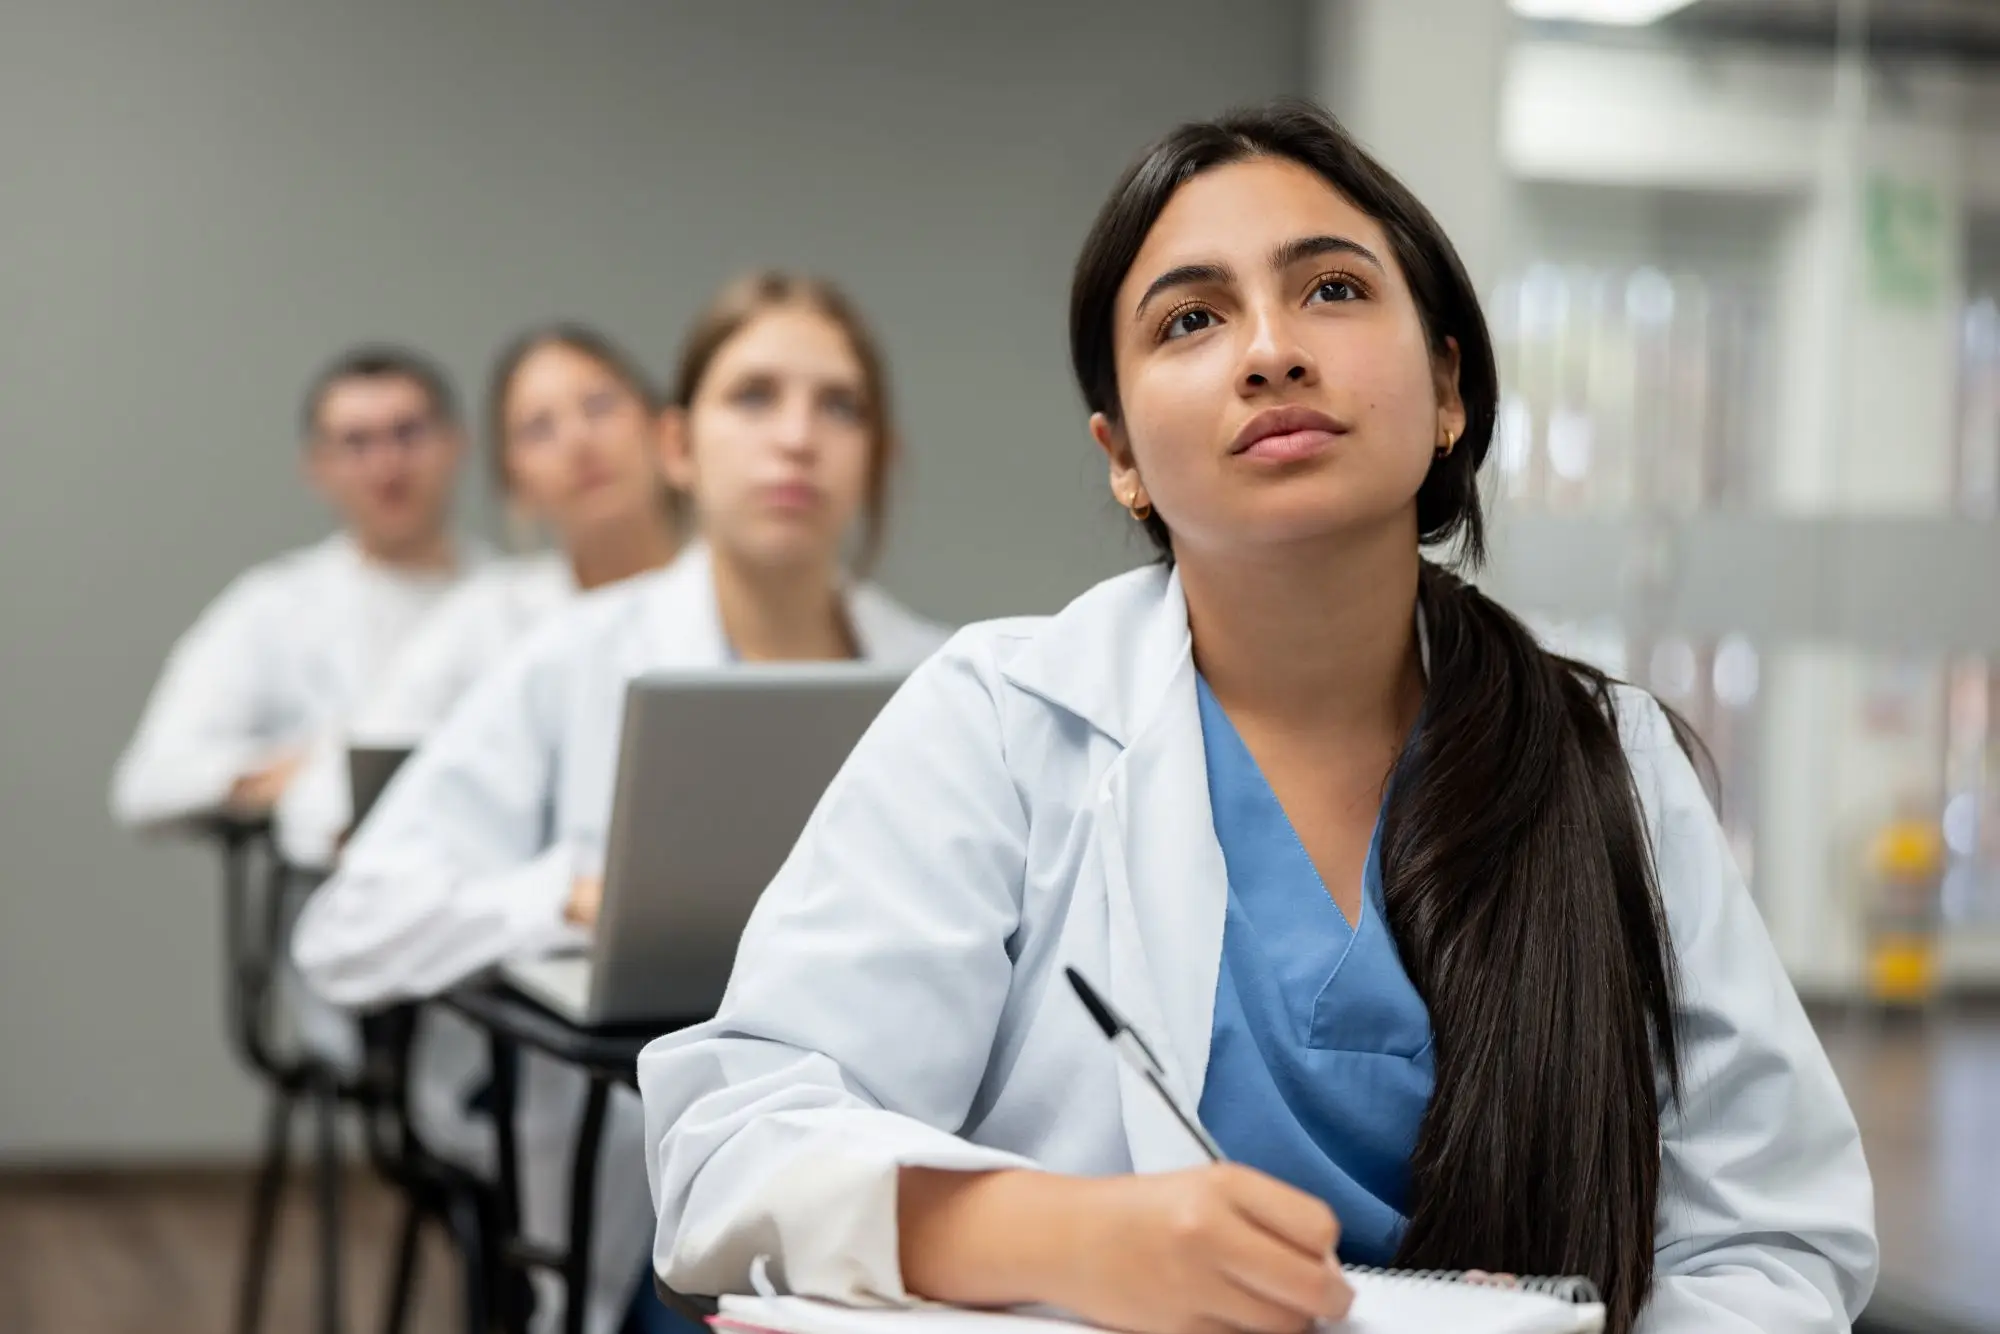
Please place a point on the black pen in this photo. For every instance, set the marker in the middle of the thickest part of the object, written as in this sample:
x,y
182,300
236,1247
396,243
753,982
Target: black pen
x,y
1133,1050
1126,1041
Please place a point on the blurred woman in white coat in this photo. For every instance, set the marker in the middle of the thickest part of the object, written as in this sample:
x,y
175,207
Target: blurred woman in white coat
x,y
1435,931
573,423
489,844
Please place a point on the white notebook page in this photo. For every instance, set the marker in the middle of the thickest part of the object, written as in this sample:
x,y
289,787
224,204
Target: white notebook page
x,y
1382,1305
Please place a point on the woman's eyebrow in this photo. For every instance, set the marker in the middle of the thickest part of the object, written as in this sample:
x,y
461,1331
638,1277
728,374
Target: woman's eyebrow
x,y
1185,275
1312,247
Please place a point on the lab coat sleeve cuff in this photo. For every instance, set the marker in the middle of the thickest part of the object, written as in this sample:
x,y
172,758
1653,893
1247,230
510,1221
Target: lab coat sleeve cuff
x,y
147,796
313,812
858,1260
827,1221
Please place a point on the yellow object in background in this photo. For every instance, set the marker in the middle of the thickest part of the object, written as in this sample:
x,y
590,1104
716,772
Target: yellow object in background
x,y
1902,970
1908,859
1908,850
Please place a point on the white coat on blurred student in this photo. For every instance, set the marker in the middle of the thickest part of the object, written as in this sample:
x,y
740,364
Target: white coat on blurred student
x,y
275,665
573,422
489,845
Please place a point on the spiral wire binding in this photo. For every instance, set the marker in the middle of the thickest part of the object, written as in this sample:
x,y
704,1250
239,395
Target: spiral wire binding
x,y
1576,1291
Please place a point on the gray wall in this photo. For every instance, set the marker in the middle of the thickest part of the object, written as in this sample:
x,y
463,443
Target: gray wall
x,y
203,199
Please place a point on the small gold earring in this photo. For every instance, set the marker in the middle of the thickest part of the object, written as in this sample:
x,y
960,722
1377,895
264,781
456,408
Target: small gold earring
x,y
1140,510
1444,450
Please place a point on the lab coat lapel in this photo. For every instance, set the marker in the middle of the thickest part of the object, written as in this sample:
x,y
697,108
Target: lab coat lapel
x,y
1120,658
346,627
887,632
1165,891
1166,884
683,624
669,622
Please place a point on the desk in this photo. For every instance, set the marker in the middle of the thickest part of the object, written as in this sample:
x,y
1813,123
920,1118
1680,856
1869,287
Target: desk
x,y
606,1056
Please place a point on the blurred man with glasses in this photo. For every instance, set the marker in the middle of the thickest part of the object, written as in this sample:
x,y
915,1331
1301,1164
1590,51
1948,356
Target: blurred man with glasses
x,y
275,664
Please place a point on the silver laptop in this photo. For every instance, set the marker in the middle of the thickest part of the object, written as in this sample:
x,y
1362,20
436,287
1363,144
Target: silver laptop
x,y
718,772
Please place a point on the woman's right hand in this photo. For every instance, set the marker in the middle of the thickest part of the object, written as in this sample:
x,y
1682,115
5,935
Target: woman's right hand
x,y
1204,1251
257,792
586,898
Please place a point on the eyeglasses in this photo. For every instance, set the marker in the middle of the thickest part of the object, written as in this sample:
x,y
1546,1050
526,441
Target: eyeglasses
x,y
402,436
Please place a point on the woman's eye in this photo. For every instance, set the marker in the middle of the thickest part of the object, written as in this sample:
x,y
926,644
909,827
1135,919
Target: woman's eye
x,y
600,405
843,407
755,395
1190,321
1333,290
534,431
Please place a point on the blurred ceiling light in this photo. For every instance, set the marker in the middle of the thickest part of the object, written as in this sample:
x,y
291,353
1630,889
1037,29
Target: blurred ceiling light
x,y
1674,670
1649,298
1517,435
1569,444
1735,671
1625,13
1961,824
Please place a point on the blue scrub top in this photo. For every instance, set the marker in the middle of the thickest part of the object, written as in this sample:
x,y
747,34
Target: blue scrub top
x,y
1319,1068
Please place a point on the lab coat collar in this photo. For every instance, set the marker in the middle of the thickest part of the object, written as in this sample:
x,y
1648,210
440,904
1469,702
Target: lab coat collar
x,y
685,622
341,549
1110,656
887,631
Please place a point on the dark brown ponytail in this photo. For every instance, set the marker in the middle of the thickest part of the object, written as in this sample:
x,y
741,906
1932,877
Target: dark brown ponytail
x,y
1519,887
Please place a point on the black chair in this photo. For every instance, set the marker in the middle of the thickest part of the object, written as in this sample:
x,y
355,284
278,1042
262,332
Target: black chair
x,y
256,887
260,896
466,1206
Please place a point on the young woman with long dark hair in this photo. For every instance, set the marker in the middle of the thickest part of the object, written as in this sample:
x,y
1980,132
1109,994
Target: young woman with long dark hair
x,y
1436,929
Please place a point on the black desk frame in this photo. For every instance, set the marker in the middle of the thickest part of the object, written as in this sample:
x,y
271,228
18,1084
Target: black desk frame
x,y
606,1057
258,898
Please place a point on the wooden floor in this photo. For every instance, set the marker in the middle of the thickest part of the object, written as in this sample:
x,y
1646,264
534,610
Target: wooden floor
x,y
158,1254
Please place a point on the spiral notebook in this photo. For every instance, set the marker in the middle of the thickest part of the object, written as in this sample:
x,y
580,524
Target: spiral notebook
x,y
1385,1302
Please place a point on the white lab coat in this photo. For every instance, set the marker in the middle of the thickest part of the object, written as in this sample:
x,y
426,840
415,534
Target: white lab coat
x,y
1035,797
468,859
274,665
465,635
